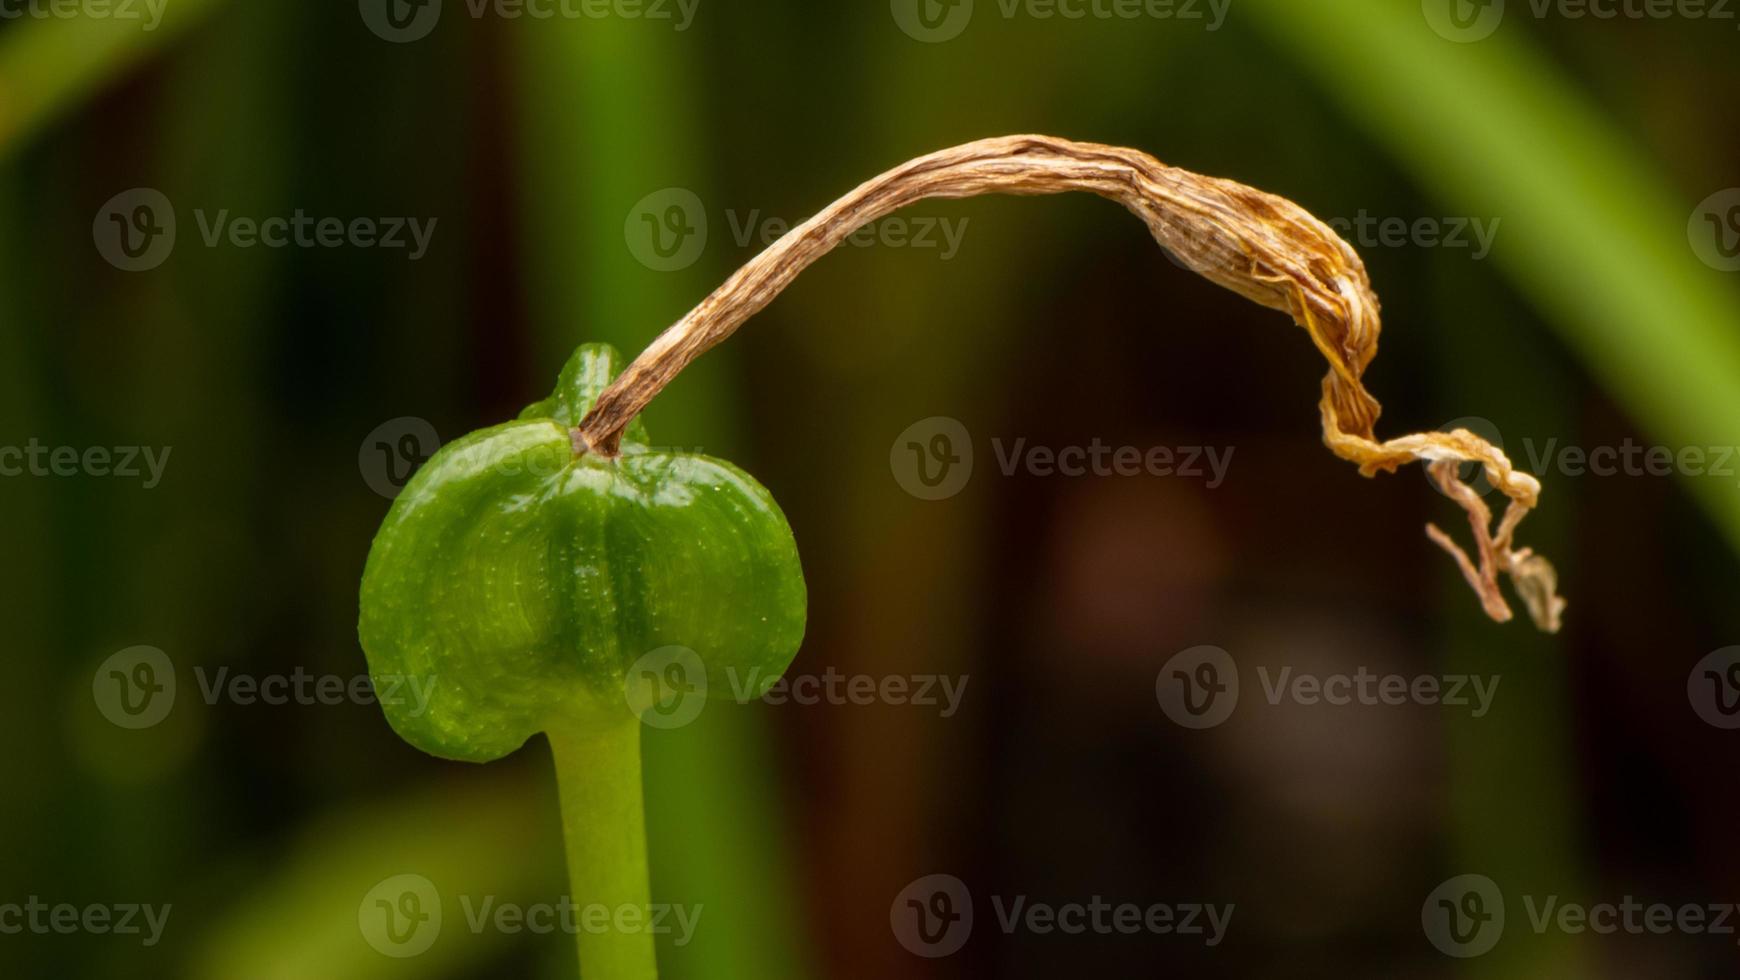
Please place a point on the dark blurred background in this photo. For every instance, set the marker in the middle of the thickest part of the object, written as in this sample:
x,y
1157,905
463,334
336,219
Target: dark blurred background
x,y
1547,205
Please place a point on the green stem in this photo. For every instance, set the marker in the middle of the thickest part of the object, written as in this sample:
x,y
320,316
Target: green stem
x,y
604,827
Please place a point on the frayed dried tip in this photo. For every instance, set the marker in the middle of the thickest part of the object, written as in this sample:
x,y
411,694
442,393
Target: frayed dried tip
x,y
1533,577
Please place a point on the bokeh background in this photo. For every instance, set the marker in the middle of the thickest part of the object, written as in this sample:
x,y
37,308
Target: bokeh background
x,y
1600,152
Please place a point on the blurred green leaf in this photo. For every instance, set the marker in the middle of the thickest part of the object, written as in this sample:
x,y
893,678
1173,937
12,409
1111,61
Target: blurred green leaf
x,y
472,840
48,66
1592,233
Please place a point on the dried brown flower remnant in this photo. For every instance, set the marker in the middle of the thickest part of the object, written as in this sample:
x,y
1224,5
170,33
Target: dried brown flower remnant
x,y
1263,247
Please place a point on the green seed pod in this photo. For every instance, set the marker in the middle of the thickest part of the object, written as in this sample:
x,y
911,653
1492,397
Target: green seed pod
x,y
519,580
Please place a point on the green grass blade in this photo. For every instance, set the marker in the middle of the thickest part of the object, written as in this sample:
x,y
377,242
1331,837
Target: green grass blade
x,y
1593,234
49,66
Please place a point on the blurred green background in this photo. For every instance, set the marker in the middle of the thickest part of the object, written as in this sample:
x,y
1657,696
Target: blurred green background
x,y
1599,154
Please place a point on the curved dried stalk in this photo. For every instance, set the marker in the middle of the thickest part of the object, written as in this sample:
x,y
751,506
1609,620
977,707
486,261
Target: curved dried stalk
x,y
1263,247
